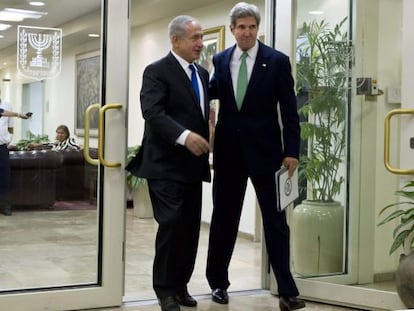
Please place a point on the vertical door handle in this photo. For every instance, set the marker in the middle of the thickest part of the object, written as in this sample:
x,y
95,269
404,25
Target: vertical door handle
x,y
101,135
87,122
387,122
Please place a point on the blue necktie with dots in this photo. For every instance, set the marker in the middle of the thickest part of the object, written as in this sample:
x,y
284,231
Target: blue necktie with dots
x,y
194,81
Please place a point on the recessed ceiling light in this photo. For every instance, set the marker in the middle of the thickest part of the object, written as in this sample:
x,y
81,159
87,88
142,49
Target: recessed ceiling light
x,y
16,15
1,36
4,26
37,3
315,12
93,35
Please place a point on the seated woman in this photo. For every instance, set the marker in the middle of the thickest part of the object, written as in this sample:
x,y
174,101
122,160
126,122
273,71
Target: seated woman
x,y
63,140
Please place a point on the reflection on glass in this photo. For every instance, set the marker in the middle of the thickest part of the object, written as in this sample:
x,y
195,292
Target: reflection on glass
x,y
323,56
51,238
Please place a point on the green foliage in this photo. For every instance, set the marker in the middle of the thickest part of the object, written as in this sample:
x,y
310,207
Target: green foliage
x,y
133,181
323,76
32,139
404,231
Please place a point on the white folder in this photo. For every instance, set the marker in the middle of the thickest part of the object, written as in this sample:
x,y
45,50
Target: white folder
x,y
287,188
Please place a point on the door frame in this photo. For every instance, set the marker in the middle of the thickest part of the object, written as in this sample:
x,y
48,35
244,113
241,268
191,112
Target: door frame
x,y
334,289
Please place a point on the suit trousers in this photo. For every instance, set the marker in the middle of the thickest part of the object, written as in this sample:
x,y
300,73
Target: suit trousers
x,y
177,209
229,187
4,174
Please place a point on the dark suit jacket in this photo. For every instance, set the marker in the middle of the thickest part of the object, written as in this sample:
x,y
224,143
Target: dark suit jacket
x,y
169,106
255,127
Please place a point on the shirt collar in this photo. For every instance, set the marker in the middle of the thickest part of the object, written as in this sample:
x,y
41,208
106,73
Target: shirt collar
x,y
182,61
252,52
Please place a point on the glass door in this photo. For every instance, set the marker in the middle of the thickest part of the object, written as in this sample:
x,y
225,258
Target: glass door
x,y
62,246
332,249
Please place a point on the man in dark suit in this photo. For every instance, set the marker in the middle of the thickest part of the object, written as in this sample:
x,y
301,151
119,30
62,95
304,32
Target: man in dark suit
x,y
174,158
257,131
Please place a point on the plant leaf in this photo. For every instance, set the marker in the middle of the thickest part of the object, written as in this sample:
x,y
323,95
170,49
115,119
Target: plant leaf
x,y
399,240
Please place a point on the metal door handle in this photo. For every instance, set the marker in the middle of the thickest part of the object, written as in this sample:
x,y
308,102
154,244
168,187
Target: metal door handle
x,y
101,135
387,122
87,122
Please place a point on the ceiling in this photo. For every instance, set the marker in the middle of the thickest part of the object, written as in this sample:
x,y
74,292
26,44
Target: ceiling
x,y
77,18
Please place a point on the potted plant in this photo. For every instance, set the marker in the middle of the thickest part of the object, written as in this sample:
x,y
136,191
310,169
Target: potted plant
x,y
39,139
138,189
322,78
133,182
403,235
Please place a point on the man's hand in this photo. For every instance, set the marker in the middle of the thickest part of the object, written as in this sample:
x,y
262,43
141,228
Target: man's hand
x,y
196,144
291,164
27,115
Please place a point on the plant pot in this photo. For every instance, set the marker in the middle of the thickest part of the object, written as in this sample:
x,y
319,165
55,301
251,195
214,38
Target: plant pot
x,y
142,202
317,238
404,280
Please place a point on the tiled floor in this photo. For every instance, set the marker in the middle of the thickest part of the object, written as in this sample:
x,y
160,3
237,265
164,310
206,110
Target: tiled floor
x,y
244,274
239,301
61,246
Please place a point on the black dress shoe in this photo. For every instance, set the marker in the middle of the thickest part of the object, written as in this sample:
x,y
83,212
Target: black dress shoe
x,y
290,303
168,304
220,295
185,299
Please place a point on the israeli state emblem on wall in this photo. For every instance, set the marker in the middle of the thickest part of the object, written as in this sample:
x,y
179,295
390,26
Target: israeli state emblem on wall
x,y
39,52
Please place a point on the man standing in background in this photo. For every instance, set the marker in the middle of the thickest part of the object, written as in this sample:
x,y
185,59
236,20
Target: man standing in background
x,y
6,130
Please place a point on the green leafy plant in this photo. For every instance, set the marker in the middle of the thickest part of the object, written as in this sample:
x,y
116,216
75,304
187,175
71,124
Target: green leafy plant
x,y
31,138
322,80
133,182
403,233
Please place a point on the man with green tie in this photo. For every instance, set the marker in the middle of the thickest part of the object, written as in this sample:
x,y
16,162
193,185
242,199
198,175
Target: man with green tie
x,y
255,89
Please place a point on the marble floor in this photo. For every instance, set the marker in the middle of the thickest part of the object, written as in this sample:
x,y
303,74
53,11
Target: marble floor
x,y
258,300
62,248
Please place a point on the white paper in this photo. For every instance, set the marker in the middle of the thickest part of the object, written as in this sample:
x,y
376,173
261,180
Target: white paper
x,y
287,189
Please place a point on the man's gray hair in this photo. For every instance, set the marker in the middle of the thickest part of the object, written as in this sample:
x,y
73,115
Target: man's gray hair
x,y
243,9
177,26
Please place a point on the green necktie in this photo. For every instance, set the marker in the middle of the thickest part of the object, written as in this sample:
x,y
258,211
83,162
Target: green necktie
x,y
241,80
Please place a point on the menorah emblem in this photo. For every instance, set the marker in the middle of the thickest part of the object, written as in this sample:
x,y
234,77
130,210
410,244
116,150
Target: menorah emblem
x,y
39,42
42,46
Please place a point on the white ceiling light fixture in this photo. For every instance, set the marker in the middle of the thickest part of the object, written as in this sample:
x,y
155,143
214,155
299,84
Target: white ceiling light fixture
x,y
93,35
315,12
17,15
4,26
37,3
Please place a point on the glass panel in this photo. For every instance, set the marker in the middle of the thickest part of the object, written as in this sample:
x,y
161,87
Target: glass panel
x,y
323,59
51,238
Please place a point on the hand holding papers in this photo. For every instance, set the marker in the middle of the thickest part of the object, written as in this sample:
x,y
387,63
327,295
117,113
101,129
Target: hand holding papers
x,y
286,188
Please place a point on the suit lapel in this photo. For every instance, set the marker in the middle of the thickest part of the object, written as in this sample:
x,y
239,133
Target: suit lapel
x,y
182,76
259,68
204,83
227,73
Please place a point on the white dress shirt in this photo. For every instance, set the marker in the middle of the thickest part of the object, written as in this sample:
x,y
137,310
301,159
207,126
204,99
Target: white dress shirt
x,y
235,63
5,124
